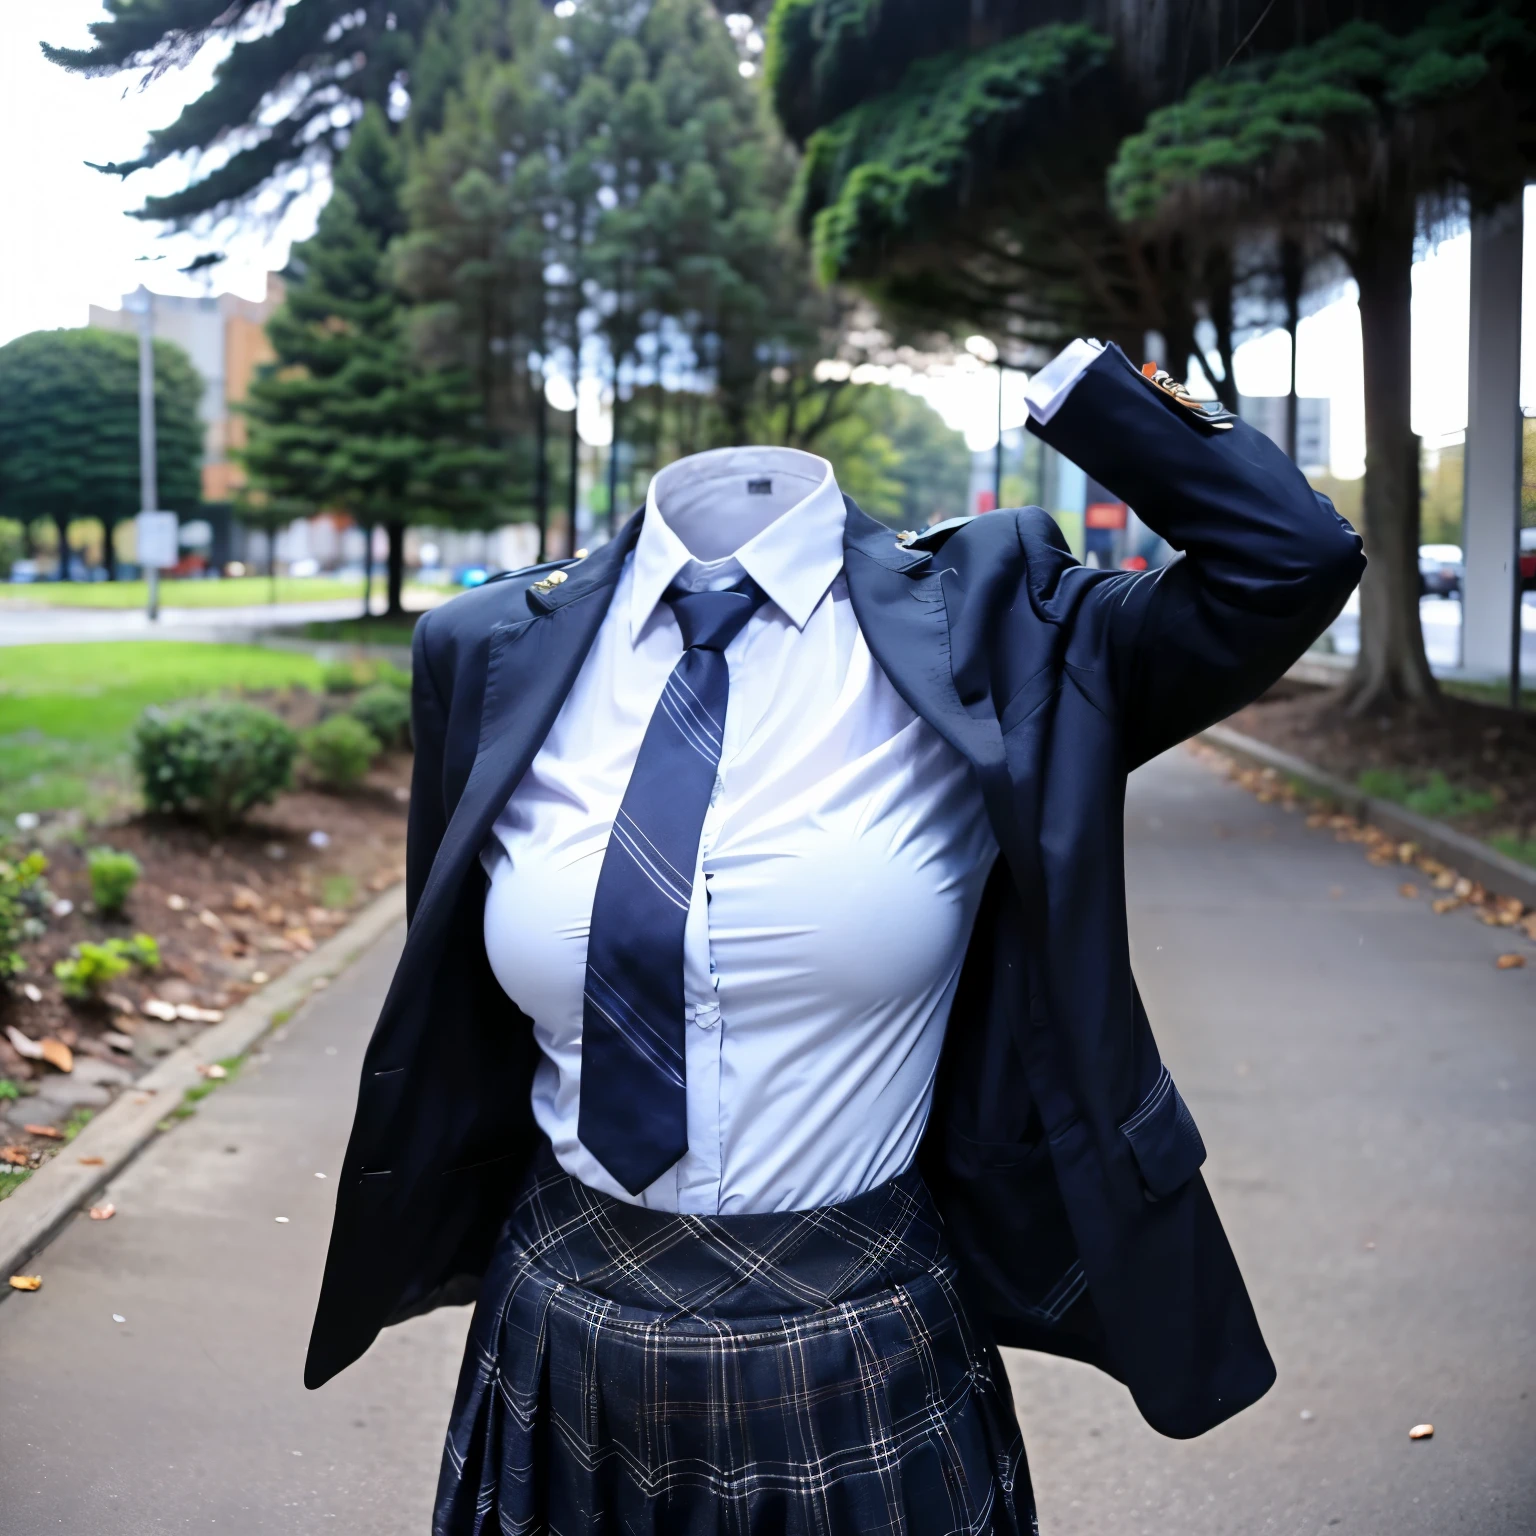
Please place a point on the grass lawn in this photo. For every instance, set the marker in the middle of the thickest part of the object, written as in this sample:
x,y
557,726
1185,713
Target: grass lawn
x,y
66,711
374,631
228,592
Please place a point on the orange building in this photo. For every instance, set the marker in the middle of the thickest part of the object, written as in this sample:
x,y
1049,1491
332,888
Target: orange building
x,y
225,336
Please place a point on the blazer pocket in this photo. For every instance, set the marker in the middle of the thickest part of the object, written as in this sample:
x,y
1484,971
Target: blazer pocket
x,y
1164,1138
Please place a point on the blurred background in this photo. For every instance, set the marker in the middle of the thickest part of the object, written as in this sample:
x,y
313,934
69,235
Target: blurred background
x,y
314,314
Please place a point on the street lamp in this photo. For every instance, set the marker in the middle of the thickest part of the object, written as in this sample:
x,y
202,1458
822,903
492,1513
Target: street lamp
x,y
156,530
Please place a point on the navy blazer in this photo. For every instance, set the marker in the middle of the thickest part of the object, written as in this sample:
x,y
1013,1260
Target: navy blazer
x,y
1059,1150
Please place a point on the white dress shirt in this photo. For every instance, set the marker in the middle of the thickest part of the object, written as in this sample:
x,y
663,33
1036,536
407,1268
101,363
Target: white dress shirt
x,y
841,863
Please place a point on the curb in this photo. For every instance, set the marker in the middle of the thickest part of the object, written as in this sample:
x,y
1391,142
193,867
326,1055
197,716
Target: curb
x,y
1467,855
32,1216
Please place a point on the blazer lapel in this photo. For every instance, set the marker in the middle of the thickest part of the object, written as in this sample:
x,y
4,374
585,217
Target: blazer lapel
x,y
532,662
901,599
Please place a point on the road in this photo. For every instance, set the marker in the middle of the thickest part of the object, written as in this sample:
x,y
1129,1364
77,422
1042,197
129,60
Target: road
x,y
47,626
1365,1079
1440,619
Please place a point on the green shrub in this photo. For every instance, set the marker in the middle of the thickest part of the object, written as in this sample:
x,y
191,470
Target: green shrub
x,y
1436,796
113,877
91,966
395,677
344,676
9,1092
21,881
214,761
386,712
1384,784
339,751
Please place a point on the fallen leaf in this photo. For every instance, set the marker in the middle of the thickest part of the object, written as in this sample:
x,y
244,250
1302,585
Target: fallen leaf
x,y
1510,962
1445,903
259,978
1408,890
17,1157
119,1003
245,899
213,1069
274,915
32,993
26,1282
211,920
91,1162
52,1133
195,1015
155,1008
301,937
1463,887
176,903
57,1054
1422,1432
1446,879
117,1040
25,1046
103,1212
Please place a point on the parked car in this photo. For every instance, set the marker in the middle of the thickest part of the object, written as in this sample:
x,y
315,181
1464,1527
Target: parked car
x,y
1440,570
1528,559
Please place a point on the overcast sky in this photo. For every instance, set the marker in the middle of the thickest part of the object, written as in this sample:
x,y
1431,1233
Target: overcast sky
x,y
66,243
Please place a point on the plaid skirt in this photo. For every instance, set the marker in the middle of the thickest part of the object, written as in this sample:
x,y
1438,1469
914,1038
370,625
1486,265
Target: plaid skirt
x,y
811,1373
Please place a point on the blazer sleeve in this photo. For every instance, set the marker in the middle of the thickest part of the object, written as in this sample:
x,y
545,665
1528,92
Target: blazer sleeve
x,y
427,819
1266,563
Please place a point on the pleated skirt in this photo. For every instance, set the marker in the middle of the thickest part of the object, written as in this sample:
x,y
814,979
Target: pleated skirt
x,y
810,1373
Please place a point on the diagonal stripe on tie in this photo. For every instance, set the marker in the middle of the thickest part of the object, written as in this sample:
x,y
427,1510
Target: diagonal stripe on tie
x,y
633,1116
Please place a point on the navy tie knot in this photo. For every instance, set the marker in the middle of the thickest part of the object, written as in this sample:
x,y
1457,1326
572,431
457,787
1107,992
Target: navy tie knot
x,y
711,620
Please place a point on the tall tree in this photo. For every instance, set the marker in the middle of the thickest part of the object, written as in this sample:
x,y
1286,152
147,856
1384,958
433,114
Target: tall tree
x,y
345,418
605,201
1365,137
69,431
283,98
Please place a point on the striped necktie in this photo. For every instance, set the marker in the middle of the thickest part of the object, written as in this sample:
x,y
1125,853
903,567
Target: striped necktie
x,y
634,1093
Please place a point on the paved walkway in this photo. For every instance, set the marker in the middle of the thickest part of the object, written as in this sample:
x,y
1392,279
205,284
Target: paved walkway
x,y
49,626
1365,1080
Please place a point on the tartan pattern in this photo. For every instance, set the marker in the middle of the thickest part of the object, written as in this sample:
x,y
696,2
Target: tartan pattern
x,y
810,1373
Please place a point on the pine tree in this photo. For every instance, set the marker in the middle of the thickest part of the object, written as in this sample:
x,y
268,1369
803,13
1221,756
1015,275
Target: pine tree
x,y
346,418
1356,137
274,98
69,430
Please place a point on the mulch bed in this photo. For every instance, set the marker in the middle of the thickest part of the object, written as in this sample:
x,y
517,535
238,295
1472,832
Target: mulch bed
x,y
229,914
1479,748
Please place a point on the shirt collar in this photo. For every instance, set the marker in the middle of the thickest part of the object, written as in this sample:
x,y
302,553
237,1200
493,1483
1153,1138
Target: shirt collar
x,y
794,559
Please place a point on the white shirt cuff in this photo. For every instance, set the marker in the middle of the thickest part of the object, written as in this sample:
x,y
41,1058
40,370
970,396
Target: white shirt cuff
x,y
1045,392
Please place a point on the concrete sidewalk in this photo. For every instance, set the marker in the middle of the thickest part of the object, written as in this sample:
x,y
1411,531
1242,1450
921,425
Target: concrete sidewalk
x,y
1365,1080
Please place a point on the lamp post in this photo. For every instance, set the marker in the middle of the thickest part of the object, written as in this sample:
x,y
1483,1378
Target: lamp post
x,y
149,491
153,534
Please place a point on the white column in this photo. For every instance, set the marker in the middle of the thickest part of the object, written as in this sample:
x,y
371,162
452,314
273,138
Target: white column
x,y
1491,505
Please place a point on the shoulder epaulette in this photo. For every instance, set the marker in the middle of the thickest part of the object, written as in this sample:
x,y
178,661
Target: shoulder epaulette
x,y
931,539
548,567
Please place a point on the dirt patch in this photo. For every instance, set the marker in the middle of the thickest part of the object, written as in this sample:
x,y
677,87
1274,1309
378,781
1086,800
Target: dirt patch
x,y
1484,756
228,914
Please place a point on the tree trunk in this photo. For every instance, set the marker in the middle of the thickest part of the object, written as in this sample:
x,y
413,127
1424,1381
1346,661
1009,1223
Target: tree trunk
x,y
1291,274
573,486
613,462
394,608
108,553
367,570
1391,670
541,470
62,524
